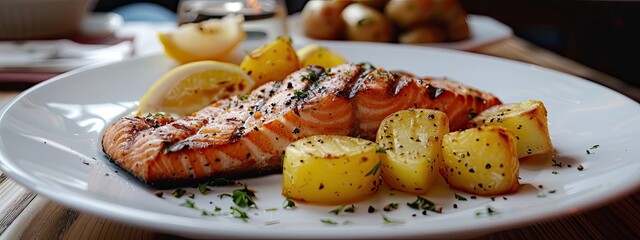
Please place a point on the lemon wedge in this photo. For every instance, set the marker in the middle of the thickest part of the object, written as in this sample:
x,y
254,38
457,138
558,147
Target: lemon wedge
x,y
320,56
192,86
212,39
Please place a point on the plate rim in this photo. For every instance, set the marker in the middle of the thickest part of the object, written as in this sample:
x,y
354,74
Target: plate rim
x,y
105,209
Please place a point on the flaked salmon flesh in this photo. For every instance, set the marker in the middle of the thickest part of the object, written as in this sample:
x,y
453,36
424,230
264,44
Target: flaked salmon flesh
x,y
247,135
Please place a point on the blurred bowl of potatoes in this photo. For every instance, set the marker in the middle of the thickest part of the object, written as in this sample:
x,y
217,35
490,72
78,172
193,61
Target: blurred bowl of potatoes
x,y
391,21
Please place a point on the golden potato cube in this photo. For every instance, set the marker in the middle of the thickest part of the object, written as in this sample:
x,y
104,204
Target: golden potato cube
x,y
411,148
271,62
317,55
329,169
527,119
481,160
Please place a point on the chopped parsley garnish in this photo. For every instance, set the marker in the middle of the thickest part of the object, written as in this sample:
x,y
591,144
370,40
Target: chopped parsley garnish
x,y
489,211
244,97
272,222
554,172
288,203
374,170
458,197
202,187
237,213
391,221
343,208
592,148
179,192
329,221
300,94
350,209
422,203
390,207
242,197
381,150
188,203
367,65
328,71
167,149
311,76
472,114
222,182
158,114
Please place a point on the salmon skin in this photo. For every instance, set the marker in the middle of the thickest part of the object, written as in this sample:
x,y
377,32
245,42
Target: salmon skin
x,y
246,135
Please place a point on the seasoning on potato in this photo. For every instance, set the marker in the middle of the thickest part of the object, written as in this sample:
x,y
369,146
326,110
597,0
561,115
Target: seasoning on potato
x,y
411,142
527,119
330,169
481,160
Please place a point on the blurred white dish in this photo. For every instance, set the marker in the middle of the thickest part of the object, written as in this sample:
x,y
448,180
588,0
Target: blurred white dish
x,y
50,142
97,24
58,56
484,30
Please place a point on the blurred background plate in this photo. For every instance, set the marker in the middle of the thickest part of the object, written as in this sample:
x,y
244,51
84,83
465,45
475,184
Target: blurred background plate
x,y
484,30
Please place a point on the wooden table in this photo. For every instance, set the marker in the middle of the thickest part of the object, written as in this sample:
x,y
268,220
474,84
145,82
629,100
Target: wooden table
x,y
26,215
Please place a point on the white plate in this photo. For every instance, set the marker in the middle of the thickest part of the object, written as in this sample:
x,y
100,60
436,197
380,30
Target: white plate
x,y
484,30
101,24
49,132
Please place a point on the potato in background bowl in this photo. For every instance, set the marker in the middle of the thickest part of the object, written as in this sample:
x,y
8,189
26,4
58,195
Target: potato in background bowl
x,y
395,21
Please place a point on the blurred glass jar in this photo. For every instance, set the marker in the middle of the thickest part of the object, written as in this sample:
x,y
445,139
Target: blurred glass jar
x,y
264,19
41,19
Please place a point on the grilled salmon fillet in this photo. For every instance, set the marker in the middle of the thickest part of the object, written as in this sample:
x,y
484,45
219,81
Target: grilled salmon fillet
x,y
247,135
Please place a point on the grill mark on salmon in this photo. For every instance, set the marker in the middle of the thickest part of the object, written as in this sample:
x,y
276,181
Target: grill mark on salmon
x,y
246,135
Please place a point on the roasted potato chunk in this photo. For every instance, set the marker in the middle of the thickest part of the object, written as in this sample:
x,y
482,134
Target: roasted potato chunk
x,y
423,34
527,119
329,169
411,148
319,56
366,24
322,20
407,13
481,160
271,62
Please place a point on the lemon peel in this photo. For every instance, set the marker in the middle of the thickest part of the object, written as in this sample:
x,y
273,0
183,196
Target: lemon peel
x,y
213,39
193,86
